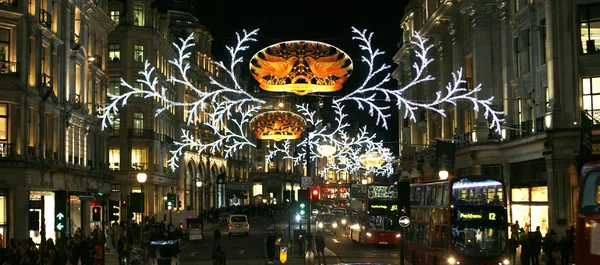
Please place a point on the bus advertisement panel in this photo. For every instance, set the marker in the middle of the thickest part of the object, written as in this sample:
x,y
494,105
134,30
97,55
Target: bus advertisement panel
x,y
374,214
458,221
587,227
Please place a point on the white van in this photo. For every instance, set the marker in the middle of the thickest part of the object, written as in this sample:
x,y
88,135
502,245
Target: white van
x,y
238,224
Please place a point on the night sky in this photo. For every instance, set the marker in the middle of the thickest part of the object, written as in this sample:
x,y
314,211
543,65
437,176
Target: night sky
x,y
324,21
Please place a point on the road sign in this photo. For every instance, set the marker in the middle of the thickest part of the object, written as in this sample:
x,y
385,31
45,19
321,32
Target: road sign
x,y
404,221
306,182
283,254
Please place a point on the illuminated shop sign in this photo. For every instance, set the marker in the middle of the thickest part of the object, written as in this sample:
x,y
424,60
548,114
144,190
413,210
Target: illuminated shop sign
x,y
384,207
485,216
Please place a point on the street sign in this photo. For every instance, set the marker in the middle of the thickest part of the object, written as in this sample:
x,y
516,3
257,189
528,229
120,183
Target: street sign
x,y
306,182
404,221
283,254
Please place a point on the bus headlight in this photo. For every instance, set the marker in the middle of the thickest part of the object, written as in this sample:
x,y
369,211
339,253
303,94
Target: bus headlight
x,y
451,260
320,225
506,262
368,234
398,235
343,221
334,225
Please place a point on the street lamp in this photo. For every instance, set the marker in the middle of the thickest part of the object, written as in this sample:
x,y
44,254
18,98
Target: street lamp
x,y
199,194
141,178
443,174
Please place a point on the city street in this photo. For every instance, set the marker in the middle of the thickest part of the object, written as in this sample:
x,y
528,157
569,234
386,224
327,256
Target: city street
x,y
251,249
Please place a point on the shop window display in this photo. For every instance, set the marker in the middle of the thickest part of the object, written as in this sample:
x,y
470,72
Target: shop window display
x,y
529,207
48,205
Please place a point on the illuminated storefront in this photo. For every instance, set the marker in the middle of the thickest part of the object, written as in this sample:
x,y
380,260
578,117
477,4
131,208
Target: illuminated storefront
x,y
48,214
529,206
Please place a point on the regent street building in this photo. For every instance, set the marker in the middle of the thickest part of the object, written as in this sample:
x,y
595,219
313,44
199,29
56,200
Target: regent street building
x,y
539,61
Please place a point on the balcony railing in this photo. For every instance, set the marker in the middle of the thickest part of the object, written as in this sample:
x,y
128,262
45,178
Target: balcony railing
x,y
45,80
7,67
45,18
462,140
539,124
142,133
5,150
165,139
98,60
595,116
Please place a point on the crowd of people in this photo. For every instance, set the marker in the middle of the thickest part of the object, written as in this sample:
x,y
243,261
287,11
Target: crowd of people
x,y
535,248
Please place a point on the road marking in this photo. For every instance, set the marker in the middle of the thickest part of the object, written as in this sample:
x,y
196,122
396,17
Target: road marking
x,y
336,241
242,252
193,253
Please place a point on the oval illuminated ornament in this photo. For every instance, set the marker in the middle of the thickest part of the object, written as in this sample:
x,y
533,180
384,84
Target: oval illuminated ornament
x,y
277,125
301,67
372,159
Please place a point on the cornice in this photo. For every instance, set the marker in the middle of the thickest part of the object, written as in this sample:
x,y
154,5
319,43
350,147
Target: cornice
x,y
99,15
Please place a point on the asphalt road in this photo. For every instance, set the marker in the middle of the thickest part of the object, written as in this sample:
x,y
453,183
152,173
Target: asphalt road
x,y
250,249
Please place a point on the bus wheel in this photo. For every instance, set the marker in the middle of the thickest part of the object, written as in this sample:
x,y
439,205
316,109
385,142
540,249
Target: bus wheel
x,y
413,259
435,261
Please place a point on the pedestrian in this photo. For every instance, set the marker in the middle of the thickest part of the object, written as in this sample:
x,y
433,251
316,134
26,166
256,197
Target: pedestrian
x,y
217,237
320,246
525,243
550,245
565,250
571,238
536,246
513,244
98,253
270,246
218,256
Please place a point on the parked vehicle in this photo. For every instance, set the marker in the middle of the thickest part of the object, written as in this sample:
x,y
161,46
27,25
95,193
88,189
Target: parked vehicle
x,y
238,224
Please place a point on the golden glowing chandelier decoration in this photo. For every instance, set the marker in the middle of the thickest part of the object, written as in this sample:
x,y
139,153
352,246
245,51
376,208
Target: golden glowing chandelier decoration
x,y
372,160
326,150
301,67
277,125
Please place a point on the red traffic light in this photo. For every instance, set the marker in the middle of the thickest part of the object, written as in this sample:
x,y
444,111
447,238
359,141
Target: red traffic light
x,y
96,210
124,202
315,192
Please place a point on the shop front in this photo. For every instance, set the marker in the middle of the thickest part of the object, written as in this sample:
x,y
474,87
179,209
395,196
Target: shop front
x,y
529,206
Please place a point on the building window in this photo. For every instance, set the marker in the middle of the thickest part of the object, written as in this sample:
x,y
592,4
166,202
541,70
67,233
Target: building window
x,y
3,122
517,56
140,86
467,121
519,111
138,122
529,51
114,85
114,52
116,124
544,40
138,53
591,94
114,159
115,187
590,28
4,47
138,15
115,15
547,99
517,6
139,159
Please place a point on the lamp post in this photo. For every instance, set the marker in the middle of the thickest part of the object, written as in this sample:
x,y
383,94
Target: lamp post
x,y
443,174
199,194
141,178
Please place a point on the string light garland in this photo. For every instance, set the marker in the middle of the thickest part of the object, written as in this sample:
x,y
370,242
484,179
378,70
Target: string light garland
x,y
230,108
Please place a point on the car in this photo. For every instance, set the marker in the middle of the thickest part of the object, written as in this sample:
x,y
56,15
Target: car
x,y
341,218
238,224
164,252
327,223
327,203
195,229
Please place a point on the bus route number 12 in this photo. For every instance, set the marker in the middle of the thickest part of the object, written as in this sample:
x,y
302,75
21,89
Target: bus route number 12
x,y
492,216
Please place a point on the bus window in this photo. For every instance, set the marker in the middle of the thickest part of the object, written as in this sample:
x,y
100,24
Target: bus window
x,y
590,193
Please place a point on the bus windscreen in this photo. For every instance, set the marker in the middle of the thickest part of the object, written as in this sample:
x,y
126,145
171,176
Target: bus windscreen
x,y
478,192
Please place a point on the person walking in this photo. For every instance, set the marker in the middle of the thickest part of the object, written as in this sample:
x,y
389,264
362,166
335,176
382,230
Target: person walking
x,y
550,245
525,243
536,246
513,244
565,250
217,237
320,246
270,246
218,256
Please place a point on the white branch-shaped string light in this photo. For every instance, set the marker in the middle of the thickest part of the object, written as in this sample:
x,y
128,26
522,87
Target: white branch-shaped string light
x,y
229,105
366,94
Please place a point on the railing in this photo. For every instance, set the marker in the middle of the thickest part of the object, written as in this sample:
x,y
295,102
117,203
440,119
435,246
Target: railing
x,y
76,38
139,166
163,138
45,18
7,67
98,60
515,131
142,133
5,150
45,80
114,166
595,115
539,124
11,4
462,140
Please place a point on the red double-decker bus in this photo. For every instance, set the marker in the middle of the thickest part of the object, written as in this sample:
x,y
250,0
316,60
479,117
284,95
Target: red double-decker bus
x,y
461,220
587,228
374,214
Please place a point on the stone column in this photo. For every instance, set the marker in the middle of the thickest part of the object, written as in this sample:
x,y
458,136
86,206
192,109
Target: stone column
x,y
481,17
458,59
19,213
85,216
558,193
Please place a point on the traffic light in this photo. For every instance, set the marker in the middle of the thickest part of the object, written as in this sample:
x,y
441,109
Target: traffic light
x,y
404,198
178,204
113,210
314,194
302,210
96,214
171,201
60,210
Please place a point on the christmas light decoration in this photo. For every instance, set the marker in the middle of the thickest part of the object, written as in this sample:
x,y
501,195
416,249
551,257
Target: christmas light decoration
x,y
301,67
230,108
367,93
277,125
